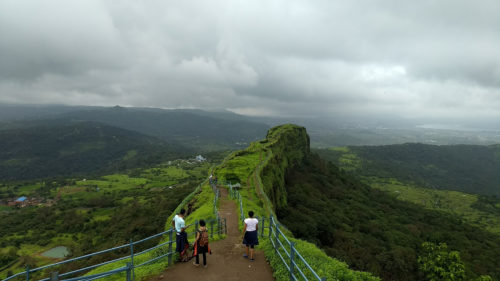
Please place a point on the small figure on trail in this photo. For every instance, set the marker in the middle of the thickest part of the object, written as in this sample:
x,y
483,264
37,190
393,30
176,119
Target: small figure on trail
x,y
181,236
201,244
250,238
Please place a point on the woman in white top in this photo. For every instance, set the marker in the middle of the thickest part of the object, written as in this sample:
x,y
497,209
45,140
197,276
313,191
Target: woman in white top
x,y
250,238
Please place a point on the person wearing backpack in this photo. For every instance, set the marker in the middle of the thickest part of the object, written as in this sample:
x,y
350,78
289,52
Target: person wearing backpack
x,y
201,244
250,237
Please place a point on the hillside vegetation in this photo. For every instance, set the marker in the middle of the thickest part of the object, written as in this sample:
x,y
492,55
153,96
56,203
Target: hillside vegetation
x,y
69,148
372,230
261,169
88,215
369,229
468,168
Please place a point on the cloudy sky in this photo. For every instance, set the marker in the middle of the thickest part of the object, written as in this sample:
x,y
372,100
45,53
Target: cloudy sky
x,y
438,60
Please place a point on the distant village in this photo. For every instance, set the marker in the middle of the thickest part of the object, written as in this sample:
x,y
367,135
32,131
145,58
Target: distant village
x,y
23,201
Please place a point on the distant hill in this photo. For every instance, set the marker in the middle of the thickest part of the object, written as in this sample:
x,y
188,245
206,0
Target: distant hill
x,y
467,168
202,130
67,148
15,112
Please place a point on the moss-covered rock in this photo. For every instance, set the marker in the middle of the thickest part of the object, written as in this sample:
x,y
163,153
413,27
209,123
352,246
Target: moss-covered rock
x,y
288,145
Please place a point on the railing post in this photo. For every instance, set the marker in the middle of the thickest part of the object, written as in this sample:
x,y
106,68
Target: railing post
x,y
218,225
54,276
241,207
27,273
170,234
277,236
262,228
271,220
212,229
128,272
132,258
225,226
292,256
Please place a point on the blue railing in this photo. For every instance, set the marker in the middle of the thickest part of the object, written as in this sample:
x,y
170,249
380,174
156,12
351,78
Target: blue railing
x,y
129,268
296,265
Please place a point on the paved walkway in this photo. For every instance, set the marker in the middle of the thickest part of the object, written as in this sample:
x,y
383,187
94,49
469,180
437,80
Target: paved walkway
x,y
226,261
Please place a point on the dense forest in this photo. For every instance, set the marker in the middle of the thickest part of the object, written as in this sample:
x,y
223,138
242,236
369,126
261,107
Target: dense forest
x,y
70,148
373,231
468,168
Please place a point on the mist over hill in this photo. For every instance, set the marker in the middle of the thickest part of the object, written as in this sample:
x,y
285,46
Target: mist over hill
x,y
211,130
196,129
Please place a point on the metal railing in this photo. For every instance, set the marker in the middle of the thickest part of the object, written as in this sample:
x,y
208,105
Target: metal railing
x,y
130,266
296,265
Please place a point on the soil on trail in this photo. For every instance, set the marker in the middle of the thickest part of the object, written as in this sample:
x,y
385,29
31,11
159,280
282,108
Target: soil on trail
x,y
227,261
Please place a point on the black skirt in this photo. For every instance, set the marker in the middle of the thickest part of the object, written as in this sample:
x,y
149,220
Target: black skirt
x,y
251,238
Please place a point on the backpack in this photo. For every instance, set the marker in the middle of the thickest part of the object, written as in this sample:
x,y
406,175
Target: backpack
x,y
203,240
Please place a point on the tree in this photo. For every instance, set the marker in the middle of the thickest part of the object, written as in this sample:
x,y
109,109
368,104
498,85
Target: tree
x,y
439,264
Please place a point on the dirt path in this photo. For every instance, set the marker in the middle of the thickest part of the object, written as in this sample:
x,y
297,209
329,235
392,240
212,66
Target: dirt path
x,y
226,261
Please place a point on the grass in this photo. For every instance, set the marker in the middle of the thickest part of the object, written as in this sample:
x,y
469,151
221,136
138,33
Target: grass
x,y
453,202
456,203
348,160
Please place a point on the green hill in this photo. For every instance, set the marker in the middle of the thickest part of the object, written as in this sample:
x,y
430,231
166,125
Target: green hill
x,y
367,228
468,168
197,129
67,148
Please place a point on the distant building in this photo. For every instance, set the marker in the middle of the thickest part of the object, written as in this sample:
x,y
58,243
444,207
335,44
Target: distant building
x,y
21,201
200,158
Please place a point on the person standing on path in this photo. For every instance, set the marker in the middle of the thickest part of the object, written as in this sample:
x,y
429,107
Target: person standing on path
x,y
250,237
181,236
201,244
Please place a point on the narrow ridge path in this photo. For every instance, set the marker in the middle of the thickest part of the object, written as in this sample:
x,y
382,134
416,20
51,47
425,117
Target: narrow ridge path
x,y
226,261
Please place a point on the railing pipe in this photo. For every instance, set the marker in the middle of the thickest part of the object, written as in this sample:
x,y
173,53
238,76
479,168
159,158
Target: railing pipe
x,y
292,256
170,246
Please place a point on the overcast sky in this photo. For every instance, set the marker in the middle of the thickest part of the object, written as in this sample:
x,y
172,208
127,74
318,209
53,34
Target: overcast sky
x,y
413,59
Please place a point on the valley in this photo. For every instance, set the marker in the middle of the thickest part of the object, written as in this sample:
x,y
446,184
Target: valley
x,y
87,215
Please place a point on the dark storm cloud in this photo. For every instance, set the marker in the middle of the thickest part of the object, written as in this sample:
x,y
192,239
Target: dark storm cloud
x,y
422,58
